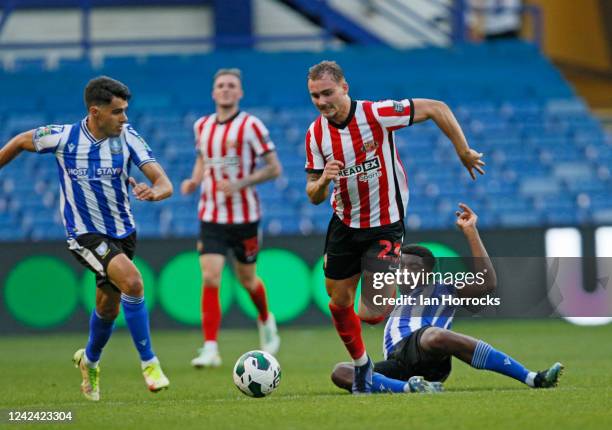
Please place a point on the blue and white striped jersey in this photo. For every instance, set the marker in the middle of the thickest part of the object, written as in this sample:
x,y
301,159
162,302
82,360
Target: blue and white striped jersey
x,y
93,176
406,319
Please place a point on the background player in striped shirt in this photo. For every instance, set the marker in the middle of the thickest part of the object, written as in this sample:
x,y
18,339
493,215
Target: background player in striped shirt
x,y
94,157
228,143
351,143
418,339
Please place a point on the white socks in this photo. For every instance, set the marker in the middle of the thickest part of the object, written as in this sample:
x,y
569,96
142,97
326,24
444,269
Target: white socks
x,y
361,361
144,364
530,379
90,364
211,345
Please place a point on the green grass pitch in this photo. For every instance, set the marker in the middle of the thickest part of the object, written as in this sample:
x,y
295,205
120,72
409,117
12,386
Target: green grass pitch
x,y
37,375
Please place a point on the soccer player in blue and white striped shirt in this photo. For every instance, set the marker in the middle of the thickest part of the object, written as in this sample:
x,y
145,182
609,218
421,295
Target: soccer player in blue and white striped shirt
x,y
418,342
94,157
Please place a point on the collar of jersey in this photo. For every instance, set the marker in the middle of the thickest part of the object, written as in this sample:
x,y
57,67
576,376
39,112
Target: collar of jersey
x,y
88,134
348,119
231,118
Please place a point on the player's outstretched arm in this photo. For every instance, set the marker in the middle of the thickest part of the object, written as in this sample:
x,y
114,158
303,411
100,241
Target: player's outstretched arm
x,y
441,114
189,185
466,221
317,184
161,187
21,142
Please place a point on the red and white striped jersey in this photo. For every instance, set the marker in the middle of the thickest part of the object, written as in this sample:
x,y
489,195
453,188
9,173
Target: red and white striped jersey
x,y
372,188
229,150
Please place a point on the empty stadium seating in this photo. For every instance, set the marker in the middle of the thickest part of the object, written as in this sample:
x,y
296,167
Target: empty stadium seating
x,y
548,159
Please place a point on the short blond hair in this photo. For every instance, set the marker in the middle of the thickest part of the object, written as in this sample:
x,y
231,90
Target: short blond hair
x,y
326,67
234,71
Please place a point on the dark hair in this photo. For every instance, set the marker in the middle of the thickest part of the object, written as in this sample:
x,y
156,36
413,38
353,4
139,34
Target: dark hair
x,y
429,261
330,68
101,90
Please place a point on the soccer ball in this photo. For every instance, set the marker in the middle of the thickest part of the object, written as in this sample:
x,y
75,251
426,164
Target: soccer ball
x,y
257,373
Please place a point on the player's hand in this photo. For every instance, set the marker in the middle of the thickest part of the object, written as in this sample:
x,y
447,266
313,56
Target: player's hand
x,y
141,190
472,160
188,186
466,218
227,187
332,170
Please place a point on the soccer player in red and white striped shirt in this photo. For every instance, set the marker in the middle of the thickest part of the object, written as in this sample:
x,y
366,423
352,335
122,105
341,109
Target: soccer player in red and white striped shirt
x,y
228,143
351,144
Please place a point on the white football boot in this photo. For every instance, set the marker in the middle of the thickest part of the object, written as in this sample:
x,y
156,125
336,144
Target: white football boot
x,y
269,339
209,356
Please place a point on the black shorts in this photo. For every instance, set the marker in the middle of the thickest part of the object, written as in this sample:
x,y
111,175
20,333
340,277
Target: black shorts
x,y
408,359
95,251
242,239
350,251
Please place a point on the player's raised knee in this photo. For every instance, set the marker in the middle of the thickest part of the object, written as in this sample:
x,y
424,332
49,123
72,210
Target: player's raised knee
x,y
341,293
212,279
435,339
132,285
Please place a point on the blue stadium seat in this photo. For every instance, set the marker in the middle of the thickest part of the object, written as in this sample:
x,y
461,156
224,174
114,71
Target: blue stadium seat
x,y
603,216
547,155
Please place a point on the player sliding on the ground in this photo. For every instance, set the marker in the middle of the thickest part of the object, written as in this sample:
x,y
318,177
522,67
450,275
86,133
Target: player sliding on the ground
x,y
228,142
94,157
418,339
352,144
